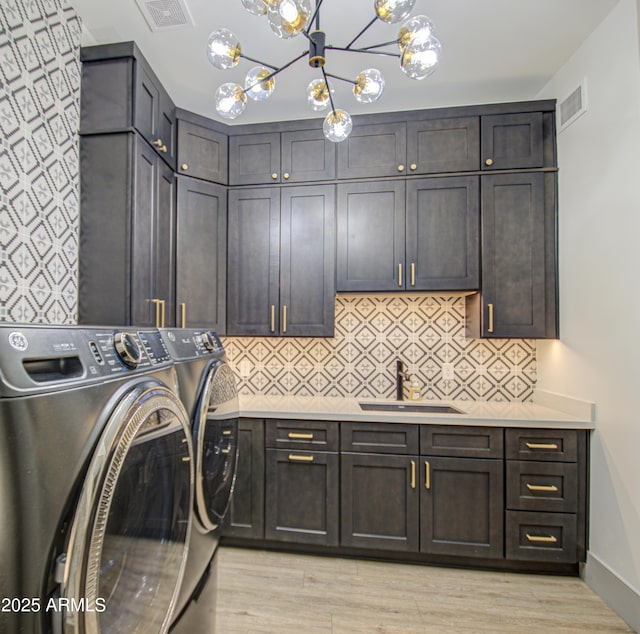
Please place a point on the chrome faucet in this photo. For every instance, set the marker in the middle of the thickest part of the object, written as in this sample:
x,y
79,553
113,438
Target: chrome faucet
x,y
401,375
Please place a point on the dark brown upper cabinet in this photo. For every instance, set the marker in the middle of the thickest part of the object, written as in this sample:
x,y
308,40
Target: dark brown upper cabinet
x,y
512,141
120,91
203,151
287,157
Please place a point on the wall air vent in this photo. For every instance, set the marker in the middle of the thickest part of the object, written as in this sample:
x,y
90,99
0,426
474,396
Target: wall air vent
x,y
574,106
163,15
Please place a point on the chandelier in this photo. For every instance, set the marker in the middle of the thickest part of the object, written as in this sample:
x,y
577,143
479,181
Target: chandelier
x,y
416,47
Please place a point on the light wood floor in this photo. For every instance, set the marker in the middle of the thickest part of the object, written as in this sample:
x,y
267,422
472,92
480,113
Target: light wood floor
x,y
260,592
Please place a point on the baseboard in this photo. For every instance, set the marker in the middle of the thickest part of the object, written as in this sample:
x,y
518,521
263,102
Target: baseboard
x,y
614,591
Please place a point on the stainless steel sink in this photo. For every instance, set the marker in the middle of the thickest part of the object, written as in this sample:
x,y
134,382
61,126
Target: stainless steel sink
x,y
410,407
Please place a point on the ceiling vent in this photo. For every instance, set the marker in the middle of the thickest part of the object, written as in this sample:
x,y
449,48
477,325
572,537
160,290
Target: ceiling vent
x,y
163,15
573,107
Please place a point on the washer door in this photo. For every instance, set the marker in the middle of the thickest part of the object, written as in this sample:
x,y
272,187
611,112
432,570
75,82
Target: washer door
x,y
128,541
215,436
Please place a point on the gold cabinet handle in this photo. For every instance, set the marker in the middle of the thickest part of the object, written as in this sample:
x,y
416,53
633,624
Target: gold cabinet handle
x,y
286,176
545,539
274,176
427,475
184,167
284,319
158,304
163,306
413,474
273,318
413,273
158,143
294,435
413,167
552,488
490,309
401,168
163,148
489,162
400,274
552,446
183,315
226,432
296,458
226,450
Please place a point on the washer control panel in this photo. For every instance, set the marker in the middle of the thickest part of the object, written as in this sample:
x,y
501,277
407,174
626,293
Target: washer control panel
x,y
190,343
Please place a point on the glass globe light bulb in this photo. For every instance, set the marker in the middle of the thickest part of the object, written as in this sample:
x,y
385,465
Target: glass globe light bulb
x,y
231,100
369,85
391,11
421,60
258,85
417,29
223,49
288,18
256,7
337,126
318,95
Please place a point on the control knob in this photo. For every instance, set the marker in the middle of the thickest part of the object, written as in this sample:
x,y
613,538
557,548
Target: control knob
x,y
127,349
209,341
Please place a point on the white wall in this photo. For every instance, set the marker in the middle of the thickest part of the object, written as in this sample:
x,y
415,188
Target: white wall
x,y
598,355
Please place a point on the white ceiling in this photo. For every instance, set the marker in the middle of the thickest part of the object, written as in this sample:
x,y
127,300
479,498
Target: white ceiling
x,y
493,51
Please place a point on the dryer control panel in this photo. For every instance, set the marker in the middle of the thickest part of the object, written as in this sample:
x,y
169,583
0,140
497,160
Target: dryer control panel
x,y
189,343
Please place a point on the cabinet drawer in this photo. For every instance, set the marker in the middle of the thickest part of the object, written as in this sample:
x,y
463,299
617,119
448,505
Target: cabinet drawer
x,y
541,536
461,442
302,434
560,445
542,486
394,438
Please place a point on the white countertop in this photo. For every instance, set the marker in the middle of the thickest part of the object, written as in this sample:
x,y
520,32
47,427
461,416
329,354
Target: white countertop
x,y
547,410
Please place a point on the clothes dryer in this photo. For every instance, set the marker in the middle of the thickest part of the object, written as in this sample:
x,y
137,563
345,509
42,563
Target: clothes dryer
x,y
96,481
207,387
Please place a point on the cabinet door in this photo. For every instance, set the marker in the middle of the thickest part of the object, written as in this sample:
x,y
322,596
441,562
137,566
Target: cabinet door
x,y
253,262
307,156
512,141
443,145
373,150
514,252
202,152
245,517
379,502
201,255
443,234
462,507
302,497
164,243
307,261
254,159
371,236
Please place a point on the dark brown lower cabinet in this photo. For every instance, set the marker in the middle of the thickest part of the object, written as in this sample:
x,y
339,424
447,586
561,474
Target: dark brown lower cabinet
x,y
301,501
462,507
379,505
245,517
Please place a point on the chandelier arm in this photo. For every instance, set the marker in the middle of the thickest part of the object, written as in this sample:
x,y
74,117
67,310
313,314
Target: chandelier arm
x,y
368,48
277,70
357,37
326,81
314,16
257,61
349,81
362,50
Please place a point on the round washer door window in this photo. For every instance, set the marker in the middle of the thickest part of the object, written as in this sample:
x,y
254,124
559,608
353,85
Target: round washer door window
x,y
129,538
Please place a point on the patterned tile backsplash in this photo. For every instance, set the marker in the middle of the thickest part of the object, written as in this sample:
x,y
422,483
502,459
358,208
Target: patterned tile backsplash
x,y
372,331
39,115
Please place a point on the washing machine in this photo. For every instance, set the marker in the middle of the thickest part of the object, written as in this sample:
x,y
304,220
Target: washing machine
x,y
96,481
207,387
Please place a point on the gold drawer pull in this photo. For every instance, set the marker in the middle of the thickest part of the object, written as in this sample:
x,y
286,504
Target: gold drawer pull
x,y
294,435
226,432
544,539
427,475
413,474
295,458
542,487
552,446
226,450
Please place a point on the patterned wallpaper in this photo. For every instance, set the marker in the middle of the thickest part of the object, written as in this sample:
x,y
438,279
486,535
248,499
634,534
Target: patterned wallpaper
x,y
39,116
424,331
